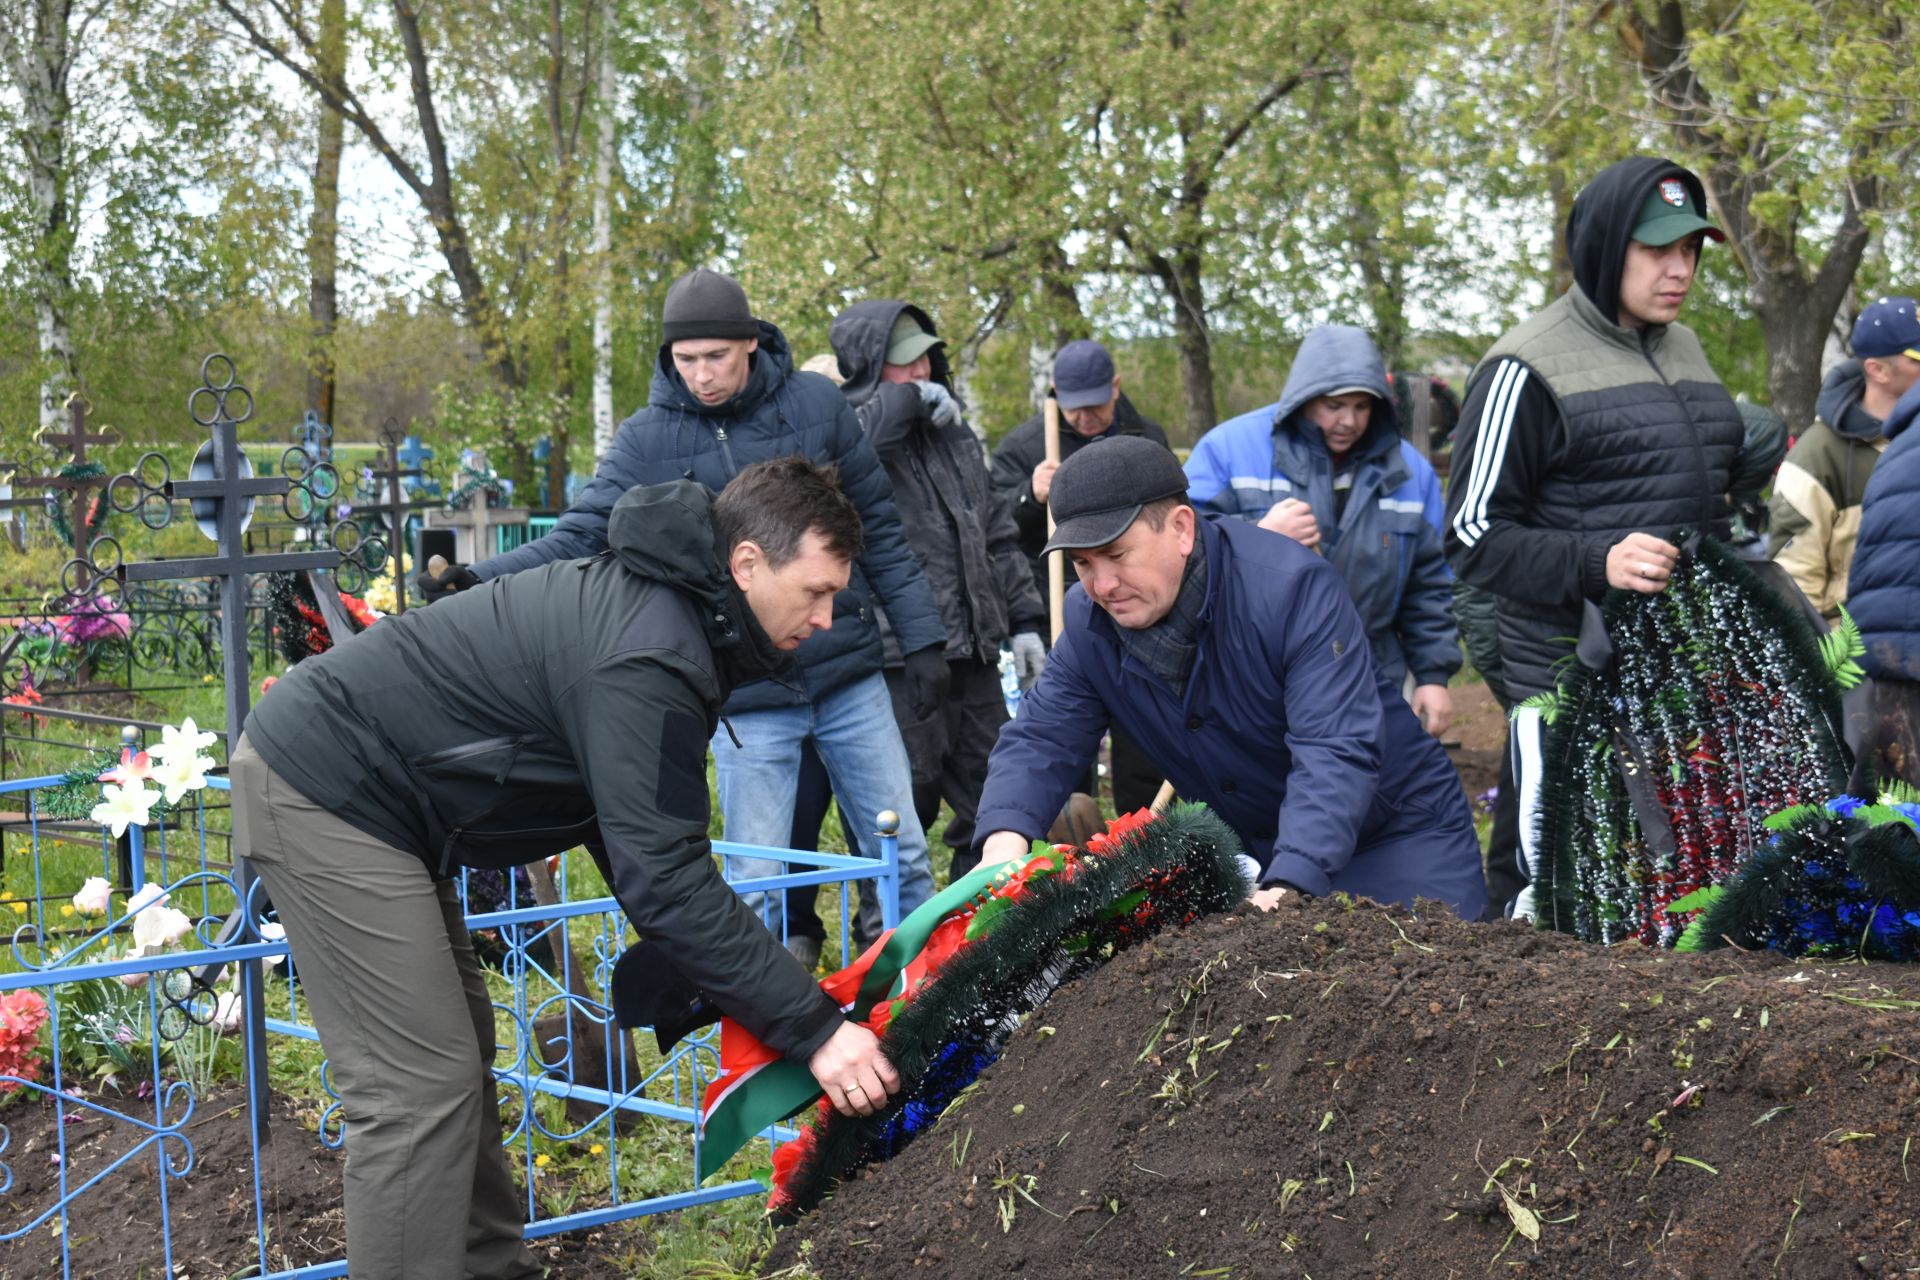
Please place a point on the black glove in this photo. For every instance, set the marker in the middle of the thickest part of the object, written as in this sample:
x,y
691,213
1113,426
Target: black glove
x,y
927,678
456,578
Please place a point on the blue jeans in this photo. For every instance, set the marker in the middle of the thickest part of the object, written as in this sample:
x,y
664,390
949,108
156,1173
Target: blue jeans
x,y
854,731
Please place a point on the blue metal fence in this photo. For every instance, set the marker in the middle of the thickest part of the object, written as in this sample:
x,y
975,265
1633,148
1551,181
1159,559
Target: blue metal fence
x,y
63,956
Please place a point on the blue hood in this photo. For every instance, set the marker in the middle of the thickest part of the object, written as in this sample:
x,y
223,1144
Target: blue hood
x,y
1839,403
1333,357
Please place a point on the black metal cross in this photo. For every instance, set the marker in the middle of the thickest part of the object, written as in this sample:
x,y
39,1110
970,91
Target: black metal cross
x,y
396,508
220,404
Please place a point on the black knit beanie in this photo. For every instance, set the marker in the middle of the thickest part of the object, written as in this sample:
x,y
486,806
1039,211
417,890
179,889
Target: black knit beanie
x,y
706,304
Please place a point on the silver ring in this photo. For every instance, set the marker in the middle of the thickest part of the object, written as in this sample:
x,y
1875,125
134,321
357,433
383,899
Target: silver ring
x,y
853,1088
1646,570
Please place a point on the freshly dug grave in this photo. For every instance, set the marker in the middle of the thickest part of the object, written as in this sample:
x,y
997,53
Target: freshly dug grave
x,y
116,1225
1339,1090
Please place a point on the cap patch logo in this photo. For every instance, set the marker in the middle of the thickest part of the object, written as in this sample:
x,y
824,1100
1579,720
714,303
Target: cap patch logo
x,y
1673,193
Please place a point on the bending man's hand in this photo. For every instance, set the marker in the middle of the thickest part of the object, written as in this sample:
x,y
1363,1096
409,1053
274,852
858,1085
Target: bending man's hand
x,y
1004,846
854,1074
1267,899
1641,562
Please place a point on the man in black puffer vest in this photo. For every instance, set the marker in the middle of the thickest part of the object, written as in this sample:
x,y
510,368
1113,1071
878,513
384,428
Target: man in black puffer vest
x,y
1592,434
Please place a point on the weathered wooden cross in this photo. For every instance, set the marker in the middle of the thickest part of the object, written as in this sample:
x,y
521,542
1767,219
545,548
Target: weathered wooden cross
x,y
86,516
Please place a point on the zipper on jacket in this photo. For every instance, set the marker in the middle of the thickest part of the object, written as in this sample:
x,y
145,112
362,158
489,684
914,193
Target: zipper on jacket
x,y
1693,426
726,450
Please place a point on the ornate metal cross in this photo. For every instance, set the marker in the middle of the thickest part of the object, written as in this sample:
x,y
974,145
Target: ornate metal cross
x,y
222,497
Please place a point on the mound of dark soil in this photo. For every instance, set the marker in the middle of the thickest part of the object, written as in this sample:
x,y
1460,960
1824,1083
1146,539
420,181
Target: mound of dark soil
x,y
116,1225
1349,1091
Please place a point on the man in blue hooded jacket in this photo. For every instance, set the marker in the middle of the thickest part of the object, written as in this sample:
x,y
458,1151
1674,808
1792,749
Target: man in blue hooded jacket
x,y
1885,602
1238,662
1327,467
726,395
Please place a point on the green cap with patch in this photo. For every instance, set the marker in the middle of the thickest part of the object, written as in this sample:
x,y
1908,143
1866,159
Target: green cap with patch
x,y
908,341
1670,214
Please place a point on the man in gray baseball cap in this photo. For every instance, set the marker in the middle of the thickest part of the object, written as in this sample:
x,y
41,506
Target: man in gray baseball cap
x,y
1235,658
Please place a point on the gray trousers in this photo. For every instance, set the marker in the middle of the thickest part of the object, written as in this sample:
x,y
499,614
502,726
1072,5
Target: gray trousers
x,y
388,972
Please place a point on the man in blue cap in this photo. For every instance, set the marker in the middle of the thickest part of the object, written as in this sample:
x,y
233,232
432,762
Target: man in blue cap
x,y
1092,407
1238,662
1814,515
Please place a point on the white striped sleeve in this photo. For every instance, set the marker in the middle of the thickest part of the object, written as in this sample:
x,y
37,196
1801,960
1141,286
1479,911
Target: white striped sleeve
x,y
1490,450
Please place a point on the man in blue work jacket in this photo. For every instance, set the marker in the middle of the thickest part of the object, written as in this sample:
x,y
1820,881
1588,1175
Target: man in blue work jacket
x,y
1235,657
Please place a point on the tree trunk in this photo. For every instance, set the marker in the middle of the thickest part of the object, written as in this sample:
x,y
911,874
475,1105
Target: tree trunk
x,y
39,60
1561,195
1193,341
603,419
323,232
1796,336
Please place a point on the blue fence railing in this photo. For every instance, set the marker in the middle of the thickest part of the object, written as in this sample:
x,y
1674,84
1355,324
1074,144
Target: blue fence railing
x,y
165,1008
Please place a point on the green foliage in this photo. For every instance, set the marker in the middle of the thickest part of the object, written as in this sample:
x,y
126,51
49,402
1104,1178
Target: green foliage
x,y
1839,648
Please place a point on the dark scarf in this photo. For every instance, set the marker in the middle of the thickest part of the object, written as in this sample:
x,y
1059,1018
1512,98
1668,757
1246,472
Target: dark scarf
x,y
1167,647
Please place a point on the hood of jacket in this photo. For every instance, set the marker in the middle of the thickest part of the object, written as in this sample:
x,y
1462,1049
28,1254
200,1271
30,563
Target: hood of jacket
x,y
859,337
1903,414
665,532
772,365
1601,224
1334,356
1839,403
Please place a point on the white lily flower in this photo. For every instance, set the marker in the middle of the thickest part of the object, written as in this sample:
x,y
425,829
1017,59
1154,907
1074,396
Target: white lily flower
x,y
124,807
182,743
177,775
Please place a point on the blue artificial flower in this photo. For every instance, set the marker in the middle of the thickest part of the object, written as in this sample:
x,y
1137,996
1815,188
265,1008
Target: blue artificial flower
x,y
1911,812
1845,806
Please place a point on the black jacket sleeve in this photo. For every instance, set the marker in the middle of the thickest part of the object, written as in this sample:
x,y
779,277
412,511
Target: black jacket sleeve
x,y
888,562
888,416
1511,437
639,730
581,530
1012,477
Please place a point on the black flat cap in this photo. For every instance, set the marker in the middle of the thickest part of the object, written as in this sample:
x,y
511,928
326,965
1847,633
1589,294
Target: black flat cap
x,y
1098,492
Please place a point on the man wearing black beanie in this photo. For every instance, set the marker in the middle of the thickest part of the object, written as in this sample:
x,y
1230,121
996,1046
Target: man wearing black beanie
x,y
725,395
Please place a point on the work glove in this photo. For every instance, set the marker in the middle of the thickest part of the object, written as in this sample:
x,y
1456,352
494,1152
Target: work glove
x,y
939,405
927,678
455,577
1029,658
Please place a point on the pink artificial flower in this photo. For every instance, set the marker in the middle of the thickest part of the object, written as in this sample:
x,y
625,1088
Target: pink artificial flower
x,y
133,767
22,1014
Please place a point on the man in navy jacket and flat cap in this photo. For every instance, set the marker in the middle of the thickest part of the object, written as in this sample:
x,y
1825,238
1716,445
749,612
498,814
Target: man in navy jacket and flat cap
x,y
1234,656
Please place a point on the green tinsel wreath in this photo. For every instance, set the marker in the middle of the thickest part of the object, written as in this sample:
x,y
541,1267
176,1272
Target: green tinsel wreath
x,y
96,511
1160,875
1720,705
